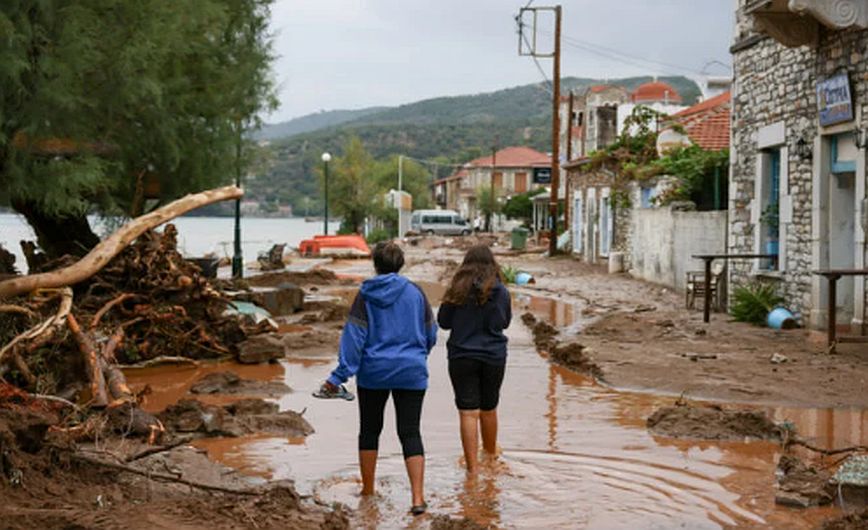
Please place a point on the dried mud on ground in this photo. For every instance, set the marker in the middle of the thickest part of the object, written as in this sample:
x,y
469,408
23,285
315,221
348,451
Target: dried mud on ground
x,y
712,422
47,481
639,334
853,521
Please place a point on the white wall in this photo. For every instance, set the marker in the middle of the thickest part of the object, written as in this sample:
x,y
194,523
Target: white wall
x,y
664,242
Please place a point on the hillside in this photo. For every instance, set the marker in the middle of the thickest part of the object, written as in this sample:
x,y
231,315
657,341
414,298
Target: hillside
x,y
451,129
312,122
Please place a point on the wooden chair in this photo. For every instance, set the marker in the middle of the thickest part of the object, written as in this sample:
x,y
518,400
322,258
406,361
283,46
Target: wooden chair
x,y
695,285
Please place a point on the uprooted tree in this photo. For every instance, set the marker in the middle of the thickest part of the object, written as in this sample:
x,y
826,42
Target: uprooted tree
x,y
133,297
107,103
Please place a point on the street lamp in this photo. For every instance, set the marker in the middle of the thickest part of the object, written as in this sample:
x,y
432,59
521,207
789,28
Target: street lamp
x,y
326,158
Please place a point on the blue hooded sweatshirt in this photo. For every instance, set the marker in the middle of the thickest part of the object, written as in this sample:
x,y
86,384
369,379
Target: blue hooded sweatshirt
x,y
388,336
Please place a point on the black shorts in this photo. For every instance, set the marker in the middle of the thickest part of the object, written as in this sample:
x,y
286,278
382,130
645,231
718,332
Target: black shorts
x,y
476,383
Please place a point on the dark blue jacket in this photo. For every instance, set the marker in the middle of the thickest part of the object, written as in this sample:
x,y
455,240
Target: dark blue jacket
x,y
477,330
388,336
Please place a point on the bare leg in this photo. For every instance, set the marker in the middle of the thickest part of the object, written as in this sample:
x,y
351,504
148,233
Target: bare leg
x,y
488,420
368,467
416,472
470,438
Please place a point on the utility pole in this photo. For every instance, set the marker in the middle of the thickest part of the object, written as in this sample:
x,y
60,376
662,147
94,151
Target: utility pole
x,y
529,47
399,198
569,157
556,133
490,220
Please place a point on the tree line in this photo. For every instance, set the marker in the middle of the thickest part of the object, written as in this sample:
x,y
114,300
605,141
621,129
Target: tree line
x,y
115,107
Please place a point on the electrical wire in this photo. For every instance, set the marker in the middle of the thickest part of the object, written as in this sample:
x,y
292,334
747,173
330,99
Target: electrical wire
x,y
548,84
625,57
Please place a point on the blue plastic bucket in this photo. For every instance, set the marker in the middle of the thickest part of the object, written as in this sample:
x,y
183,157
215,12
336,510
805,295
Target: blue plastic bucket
x,y
780,318
523,278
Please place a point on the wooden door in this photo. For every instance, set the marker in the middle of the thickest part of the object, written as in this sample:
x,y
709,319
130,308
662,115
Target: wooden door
x,y
521,182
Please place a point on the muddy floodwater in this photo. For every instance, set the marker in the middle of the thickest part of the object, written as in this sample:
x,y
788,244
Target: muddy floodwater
x,y
575,454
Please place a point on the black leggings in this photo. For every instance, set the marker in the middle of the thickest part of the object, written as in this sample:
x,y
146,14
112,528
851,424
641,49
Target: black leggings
x,y
408,410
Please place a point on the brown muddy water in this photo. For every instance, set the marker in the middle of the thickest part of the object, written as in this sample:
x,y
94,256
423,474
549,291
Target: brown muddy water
x,y
575,454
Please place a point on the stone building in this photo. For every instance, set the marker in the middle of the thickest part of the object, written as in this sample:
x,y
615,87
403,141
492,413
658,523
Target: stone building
x,y
797,171
600,225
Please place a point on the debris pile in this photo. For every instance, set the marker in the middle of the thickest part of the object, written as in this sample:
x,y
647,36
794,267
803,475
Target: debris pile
x,y
147,302
712,422
802,485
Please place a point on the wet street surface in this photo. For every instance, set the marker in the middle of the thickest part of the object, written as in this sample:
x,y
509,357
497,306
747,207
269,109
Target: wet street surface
x,y
575,454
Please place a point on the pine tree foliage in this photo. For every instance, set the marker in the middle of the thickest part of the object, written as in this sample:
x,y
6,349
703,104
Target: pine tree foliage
x,y
98,93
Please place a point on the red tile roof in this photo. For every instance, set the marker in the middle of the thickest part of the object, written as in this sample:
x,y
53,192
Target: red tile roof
x,y
707,123
655,91
516,156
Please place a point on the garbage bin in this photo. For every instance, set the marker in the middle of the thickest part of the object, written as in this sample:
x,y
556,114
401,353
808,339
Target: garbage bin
x,y
519,238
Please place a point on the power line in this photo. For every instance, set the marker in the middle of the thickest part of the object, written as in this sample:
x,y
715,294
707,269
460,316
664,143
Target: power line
x,y
625,57
548,83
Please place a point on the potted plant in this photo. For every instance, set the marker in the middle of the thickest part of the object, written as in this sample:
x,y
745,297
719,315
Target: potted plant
x,y
761,304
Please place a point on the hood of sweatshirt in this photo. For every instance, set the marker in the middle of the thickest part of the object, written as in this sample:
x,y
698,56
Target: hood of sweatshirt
x,y
384,289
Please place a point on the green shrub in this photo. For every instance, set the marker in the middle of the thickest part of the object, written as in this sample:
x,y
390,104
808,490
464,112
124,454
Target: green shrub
x,y
378,235
753,303
509,273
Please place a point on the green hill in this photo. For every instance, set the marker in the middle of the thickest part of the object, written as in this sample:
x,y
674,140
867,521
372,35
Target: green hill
x,y
312,122
451,129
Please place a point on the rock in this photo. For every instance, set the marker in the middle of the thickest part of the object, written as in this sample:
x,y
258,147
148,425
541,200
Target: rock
x,y
261,349
283,299
444,522
229,383
215,382
247,407
778,358
801,485
191,416
247,416
575,357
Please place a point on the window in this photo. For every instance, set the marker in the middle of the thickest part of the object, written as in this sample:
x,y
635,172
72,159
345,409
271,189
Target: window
x,y
606,224
770,191
521,182
647,197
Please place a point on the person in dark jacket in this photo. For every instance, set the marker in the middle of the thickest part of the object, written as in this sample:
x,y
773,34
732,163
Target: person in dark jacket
x,y
477,308
385,344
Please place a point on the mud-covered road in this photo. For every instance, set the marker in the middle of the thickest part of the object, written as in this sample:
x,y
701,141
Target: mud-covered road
x,y
575,454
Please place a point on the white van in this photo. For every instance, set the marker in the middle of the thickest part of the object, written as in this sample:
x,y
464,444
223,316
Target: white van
x,y
440,222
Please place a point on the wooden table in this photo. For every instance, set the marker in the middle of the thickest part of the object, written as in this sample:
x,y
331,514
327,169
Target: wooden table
x,y
708,258
833,275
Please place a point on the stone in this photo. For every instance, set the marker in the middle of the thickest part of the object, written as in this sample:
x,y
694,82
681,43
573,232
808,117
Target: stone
x,y
261,349
284,299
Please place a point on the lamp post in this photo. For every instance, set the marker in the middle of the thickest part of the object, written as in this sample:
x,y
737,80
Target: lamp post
x,y
237,259
326,158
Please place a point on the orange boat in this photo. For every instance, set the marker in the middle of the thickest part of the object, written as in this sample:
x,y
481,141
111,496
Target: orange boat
x,y
352,245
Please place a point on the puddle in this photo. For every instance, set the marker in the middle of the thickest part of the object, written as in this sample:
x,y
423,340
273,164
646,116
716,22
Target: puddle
x,y
575,454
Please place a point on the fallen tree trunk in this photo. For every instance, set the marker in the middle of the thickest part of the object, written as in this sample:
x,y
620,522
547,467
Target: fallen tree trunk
x,y
101,254
93,366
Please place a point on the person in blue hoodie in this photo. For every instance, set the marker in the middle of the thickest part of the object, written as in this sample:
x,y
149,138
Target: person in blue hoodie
x,y
385,345
476,308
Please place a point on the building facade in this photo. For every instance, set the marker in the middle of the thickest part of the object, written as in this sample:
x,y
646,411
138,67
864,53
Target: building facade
x,y
797,171
512,171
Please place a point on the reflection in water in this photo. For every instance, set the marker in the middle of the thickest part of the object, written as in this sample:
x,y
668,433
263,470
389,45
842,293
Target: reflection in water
x,y
576,455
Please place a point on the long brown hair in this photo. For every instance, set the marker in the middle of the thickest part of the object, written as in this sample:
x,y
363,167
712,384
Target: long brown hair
x,y
478,274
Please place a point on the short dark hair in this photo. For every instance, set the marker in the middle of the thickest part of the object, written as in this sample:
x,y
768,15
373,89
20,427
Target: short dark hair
x,y
388,257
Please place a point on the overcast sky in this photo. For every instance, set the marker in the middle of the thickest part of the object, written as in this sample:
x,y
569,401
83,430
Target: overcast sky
x,y
337,54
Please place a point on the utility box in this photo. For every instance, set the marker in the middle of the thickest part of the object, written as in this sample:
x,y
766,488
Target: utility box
x,y
519,238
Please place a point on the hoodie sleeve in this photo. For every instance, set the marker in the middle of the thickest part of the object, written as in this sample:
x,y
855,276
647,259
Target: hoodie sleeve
x,y
501,315
430,324
445,315
352,344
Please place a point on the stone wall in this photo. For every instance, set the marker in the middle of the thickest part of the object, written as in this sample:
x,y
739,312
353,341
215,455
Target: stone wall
x,y
776,84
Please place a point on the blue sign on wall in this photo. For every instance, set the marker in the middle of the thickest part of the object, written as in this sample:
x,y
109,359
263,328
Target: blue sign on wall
x,y
833,100
542,175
